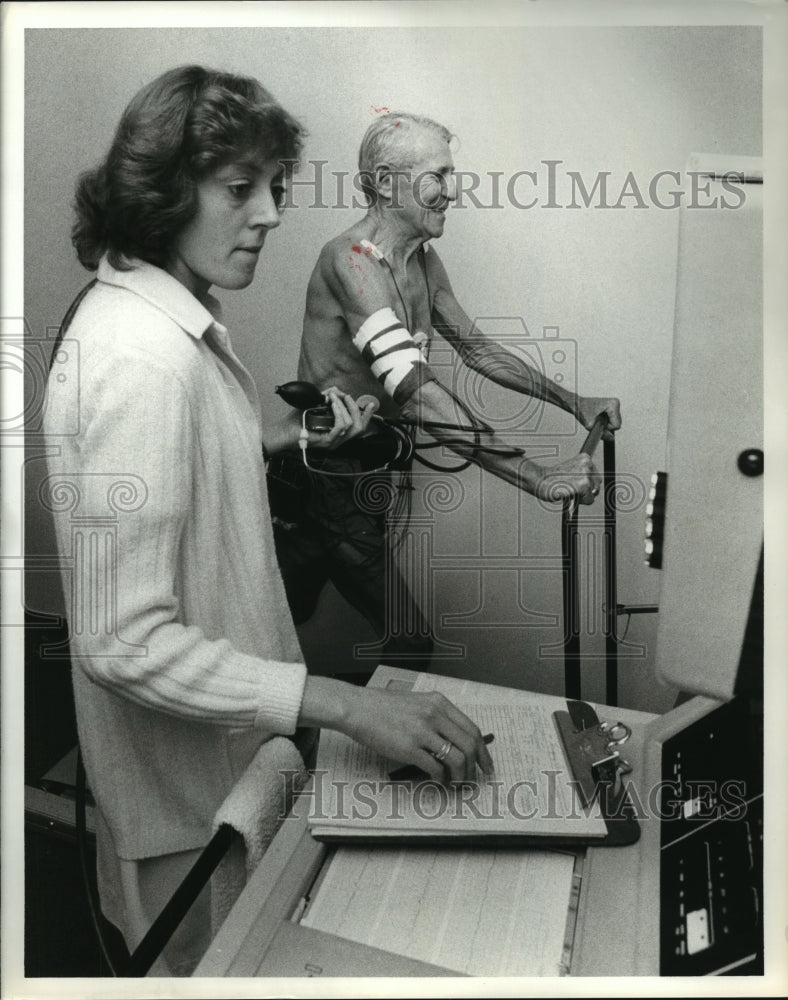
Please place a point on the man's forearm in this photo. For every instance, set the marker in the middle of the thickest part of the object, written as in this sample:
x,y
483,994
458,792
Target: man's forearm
x,y
501,366
433,404
501,460
573,477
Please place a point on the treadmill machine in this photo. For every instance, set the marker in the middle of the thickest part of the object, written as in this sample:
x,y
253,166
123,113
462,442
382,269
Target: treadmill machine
x,y
686,898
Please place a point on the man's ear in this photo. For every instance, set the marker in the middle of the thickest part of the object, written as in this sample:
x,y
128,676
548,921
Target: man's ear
x,y
384,182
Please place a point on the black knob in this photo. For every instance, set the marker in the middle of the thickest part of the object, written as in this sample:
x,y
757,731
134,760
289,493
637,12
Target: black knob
x,y
301,395
750,462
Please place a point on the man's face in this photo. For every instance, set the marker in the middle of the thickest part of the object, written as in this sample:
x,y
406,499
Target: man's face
x,y
237,204
426,189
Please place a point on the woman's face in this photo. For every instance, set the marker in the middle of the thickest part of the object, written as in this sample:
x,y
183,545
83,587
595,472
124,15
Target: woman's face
x,y
237,205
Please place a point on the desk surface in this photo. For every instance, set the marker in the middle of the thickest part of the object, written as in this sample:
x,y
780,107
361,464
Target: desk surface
x,y
620,885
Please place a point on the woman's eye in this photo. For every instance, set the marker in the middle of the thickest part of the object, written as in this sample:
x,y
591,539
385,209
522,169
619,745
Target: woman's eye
x,y
279,194
239,189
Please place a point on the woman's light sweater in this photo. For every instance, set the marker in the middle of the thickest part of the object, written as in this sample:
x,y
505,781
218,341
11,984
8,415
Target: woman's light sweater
x,y
185,658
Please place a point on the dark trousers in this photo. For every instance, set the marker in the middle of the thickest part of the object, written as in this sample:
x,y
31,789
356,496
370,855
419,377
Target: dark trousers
x,y
330,527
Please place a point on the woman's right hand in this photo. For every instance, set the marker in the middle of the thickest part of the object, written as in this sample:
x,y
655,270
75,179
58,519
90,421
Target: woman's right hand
x,y
407,727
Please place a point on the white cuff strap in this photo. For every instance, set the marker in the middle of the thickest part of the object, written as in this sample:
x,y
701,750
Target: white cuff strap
x,y
392,354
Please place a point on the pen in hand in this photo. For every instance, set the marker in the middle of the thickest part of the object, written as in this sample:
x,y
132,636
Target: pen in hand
x,y
412,773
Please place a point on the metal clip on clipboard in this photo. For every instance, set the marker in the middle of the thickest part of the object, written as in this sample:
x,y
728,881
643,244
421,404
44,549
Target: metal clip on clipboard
x,y
591,749
571,577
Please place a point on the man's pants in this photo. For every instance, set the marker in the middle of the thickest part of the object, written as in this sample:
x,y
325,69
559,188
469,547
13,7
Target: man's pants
x,y
331,527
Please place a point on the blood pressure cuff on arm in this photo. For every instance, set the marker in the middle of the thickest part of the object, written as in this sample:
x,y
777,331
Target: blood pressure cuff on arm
x,y
393,355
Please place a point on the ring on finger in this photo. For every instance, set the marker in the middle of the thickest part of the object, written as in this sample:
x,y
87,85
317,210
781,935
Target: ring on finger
x,y
444,751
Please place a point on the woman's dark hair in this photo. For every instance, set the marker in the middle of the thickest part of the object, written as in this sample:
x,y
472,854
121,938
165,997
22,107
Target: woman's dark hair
x,y
176,130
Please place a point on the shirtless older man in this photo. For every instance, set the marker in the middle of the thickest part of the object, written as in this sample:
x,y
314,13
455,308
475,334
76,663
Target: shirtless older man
x,y
377,294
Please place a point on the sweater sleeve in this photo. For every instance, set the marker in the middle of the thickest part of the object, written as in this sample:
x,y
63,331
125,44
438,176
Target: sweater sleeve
x,y
135,450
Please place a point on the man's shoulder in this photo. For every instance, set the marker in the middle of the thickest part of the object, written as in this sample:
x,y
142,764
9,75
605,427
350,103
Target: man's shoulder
x,y
344,247
348,271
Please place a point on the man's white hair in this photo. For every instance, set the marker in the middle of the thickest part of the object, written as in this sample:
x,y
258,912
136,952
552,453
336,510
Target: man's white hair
x,y
389,140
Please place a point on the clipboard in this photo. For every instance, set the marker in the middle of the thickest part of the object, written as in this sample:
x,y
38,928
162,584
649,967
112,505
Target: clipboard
x,y
591,748
586,749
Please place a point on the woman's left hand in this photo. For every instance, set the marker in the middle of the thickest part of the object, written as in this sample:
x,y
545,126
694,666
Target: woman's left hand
x,y
350,419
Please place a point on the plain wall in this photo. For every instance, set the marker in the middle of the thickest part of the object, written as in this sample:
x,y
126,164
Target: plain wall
x,y
596,99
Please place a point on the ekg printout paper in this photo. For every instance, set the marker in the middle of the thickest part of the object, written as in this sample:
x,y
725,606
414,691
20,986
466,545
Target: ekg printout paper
x,y
479,912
